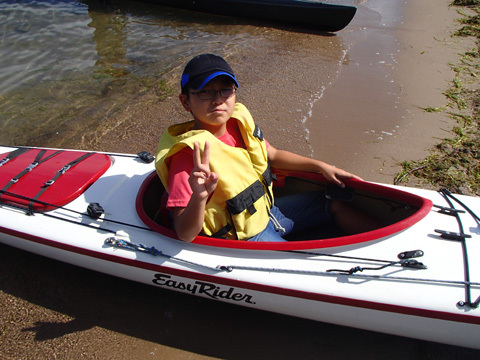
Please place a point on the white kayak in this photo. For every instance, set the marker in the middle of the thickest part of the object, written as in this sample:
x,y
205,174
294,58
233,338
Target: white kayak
x,y
416,276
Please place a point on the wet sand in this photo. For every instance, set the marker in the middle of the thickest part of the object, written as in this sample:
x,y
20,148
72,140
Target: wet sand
x,y
396,68
53,310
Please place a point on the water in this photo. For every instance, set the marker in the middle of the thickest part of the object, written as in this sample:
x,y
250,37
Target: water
x,y
71,67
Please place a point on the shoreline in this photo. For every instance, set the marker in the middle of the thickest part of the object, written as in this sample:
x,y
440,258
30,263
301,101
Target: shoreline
x,y
454,162
408,72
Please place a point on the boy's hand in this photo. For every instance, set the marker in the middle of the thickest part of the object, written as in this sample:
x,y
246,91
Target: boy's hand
x,y
335,175
202,181
287,160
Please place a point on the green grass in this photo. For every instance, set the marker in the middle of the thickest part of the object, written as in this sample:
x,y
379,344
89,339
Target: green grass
x,y
455,162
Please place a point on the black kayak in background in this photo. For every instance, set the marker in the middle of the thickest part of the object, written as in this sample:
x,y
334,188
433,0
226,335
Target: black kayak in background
x,y
307,14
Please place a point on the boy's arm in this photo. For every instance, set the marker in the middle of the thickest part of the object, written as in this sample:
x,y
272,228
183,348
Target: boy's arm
x,y
287,160
189,220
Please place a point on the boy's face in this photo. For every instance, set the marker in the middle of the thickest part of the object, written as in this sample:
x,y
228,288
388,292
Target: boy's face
x,y
214,113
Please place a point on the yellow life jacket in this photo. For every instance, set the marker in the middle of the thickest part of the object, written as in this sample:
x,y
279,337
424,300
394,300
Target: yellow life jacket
x,y
240,205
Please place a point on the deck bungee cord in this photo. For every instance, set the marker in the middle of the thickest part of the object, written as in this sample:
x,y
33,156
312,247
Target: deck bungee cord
x,y
33,211
402,255
461,237
409,263
128,245
467,209
406,260
94,211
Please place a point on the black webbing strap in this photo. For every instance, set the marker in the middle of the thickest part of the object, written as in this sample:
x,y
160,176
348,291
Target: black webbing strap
x,y
38,160
246,199
222,232
59,173
268,178
13,155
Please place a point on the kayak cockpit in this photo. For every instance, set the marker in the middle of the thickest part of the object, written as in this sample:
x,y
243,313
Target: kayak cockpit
x,y
396,209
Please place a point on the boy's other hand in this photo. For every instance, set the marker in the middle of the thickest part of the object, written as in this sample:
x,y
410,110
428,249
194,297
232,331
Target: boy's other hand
x,y
335,175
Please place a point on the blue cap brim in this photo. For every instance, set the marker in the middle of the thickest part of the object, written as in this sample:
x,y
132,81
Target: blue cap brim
x,y
209,78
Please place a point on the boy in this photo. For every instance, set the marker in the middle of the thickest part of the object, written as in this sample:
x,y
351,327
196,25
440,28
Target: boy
x,y
216,167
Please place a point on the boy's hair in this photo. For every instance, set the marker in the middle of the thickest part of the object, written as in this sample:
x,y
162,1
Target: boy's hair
x,y
203,68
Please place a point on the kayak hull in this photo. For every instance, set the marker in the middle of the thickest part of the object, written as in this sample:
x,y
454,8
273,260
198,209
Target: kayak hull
x,y
313,15
313,283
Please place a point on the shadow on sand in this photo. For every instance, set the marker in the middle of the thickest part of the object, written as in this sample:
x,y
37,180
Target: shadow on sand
x,y
188,323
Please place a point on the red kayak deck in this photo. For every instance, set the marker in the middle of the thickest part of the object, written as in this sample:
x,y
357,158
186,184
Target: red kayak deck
x,y
52,178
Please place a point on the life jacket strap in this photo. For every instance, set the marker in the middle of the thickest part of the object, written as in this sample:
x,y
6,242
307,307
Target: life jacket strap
x,y
246,199
268,178
222,232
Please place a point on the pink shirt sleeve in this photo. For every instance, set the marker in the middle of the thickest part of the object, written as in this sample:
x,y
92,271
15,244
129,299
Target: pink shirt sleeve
x,y
180,168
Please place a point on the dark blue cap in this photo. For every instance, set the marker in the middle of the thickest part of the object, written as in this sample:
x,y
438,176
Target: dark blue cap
x,y
203,68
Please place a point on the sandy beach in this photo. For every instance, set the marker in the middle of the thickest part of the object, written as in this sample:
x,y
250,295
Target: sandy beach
x,y
394,67
397,67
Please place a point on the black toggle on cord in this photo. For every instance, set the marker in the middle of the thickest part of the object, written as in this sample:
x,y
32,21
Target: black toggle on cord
x,y
409,263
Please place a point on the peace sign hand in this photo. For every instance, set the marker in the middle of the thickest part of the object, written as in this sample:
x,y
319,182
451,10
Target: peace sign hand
x,y
202,181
